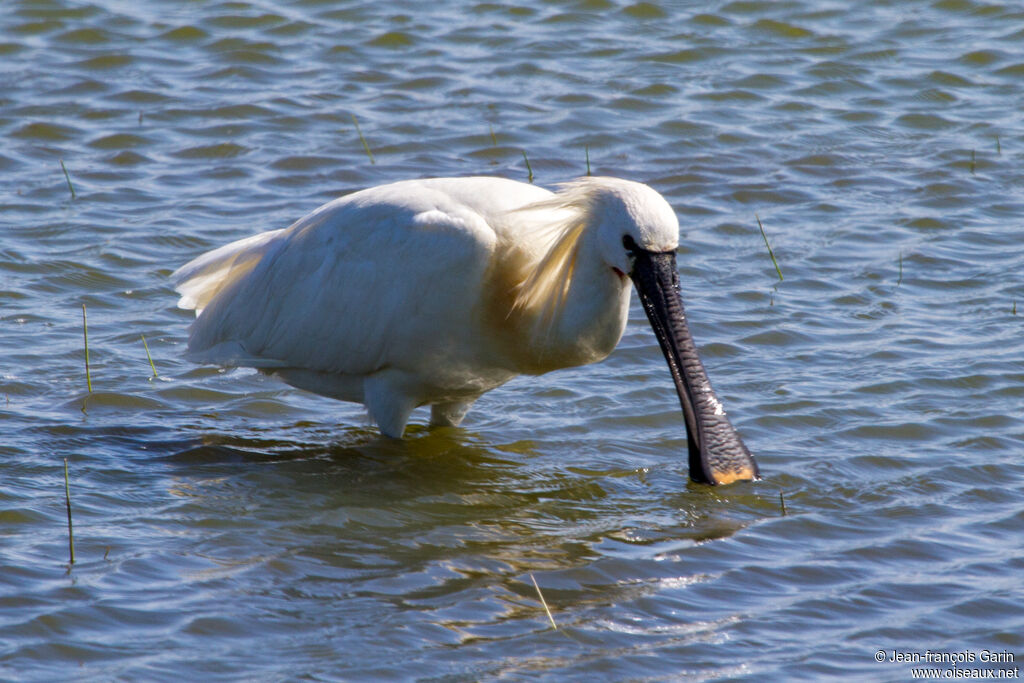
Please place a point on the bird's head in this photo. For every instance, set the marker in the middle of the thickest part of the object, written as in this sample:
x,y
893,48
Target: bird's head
x,y
630,216
638,234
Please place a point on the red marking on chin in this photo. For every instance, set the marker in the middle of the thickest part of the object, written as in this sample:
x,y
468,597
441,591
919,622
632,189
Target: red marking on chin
x,y
619,273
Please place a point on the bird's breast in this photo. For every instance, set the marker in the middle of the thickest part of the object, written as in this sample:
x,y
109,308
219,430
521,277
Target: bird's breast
x,y
583,327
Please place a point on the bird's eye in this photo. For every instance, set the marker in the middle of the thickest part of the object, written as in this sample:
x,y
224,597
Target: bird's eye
x,y
629,243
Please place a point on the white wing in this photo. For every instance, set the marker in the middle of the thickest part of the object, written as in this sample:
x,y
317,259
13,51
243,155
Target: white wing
x,y
201,279
378,278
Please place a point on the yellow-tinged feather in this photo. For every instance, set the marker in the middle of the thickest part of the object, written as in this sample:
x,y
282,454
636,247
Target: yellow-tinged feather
x,y
546,280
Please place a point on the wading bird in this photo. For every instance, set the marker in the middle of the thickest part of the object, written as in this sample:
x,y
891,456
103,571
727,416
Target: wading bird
x,y
431,292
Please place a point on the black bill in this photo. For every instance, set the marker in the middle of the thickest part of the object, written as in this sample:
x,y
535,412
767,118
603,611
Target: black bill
x,y
717,453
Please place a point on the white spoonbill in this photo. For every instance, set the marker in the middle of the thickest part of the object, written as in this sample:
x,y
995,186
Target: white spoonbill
x,y
431,292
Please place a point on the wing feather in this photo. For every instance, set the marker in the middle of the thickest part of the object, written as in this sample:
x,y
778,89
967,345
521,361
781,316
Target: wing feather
x,y
377,278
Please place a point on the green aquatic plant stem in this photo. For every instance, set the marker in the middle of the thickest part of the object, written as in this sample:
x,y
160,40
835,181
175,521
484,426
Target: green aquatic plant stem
x,y
67,501
85,335
529,170
586,150
149,356
770,252
67,178
362,139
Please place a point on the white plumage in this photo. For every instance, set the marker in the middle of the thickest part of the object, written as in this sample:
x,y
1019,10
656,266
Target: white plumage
x,y
430,292
406,294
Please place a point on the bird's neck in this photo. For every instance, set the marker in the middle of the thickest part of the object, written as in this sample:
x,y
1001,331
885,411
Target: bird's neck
x,y
582,322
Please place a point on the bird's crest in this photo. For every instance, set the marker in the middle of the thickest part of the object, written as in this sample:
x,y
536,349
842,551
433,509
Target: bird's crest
x,y
557,225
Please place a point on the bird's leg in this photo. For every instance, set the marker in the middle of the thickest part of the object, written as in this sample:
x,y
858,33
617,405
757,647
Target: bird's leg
x,y
388,400
449,414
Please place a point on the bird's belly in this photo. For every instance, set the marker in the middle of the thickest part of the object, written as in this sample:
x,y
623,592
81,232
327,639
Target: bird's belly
x,y
425,385
331,384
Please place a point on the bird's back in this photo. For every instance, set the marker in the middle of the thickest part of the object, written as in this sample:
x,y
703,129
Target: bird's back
x,y
329,293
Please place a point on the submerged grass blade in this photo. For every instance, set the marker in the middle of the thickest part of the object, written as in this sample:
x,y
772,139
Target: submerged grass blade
x,y
782,501
85,335
67,501
149,356
363,140
586,149
544,602
529,170
770,252
67,178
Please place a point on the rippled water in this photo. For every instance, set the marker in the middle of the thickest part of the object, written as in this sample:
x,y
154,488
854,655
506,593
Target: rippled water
x,y
230,527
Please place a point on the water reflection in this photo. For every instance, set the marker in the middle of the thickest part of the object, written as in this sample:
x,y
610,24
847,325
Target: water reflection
x,y
441,514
